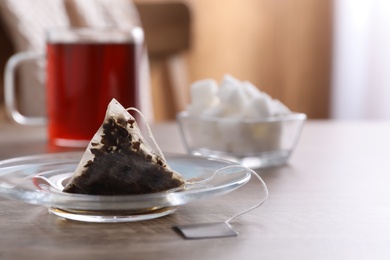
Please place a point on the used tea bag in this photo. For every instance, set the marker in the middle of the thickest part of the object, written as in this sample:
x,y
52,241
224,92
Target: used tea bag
x,y
119,161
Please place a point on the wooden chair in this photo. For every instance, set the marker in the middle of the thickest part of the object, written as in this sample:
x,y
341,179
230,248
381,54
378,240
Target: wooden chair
x,y
167,28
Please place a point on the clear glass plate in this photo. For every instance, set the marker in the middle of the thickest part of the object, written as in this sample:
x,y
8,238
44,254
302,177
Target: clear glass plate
x,y
40,179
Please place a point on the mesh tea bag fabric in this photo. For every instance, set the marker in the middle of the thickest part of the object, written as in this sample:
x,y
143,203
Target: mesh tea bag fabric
x,y
119,161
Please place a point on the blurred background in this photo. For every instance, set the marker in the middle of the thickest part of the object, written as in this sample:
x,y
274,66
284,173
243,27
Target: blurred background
x,y
328,59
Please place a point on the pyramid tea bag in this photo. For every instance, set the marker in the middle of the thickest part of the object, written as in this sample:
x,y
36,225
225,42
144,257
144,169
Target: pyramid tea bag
x,y
119,161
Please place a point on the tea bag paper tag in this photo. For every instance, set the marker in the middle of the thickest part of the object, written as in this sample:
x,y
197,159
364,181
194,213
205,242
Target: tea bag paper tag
x,y
206,230
218,229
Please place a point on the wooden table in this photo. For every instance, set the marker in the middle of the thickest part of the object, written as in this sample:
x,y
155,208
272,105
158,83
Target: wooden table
x,y
332,201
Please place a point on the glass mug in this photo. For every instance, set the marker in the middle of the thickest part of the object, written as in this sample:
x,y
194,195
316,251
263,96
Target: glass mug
x,y
85,69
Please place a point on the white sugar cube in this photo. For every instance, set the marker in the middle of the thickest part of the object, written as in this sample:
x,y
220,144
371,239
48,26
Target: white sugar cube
x,y
280,108
232,95
204,92
215,111
251,90
233,99
195,110
259,107
229,135
203,96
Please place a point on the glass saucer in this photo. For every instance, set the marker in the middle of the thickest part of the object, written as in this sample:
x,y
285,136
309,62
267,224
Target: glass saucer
x,y
40,179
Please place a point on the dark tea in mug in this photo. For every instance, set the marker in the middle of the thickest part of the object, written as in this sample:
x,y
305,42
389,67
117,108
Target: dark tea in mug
x,y
83,74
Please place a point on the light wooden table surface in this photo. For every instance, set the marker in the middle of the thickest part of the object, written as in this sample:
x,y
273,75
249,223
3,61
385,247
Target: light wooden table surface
x,y
332,201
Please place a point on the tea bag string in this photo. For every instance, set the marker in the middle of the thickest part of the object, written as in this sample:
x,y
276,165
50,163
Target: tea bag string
x,y
257,205
145,121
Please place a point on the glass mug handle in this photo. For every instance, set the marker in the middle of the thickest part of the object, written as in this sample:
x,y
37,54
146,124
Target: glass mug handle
x,y
9,89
